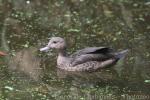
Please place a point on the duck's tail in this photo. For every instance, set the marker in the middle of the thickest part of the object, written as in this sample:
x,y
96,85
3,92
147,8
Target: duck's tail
x,y
121,54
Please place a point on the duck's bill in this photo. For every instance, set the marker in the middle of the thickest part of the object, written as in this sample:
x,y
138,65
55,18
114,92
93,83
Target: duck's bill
x,y
45,49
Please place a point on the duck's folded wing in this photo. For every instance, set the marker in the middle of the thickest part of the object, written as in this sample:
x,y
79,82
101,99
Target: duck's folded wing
x,y
93,50
90,57
91,54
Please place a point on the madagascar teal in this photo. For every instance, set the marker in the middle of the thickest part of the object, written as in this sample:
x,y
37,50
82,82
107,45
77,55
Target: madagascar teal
x,y
87,59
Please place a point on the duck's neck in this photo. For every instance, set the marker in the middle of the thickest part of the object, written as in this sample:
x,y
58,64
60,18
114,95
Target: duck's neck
x,y
62,57
62,53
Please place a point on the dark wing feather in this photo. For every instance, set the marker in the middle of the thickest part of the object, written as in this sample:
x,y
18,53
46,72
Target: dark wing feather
x,y
91,54
93,50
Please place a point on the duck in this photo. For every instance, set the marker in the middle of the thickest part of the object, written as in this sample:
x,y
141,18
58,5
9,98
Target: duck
x,y
87,59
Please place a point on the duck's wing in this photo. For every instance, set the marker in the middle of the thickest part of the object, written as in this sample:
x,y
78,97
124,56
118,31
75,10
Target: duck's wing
x,y
91,54
93,50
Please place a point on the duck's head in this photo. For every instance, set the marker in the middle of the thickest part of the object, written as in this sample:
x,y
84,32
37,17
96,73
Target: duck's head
x,y
55,43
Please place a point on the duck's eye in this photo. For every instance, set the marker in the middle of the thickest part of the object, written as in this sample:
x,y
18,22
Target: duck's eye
x,y
54,42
